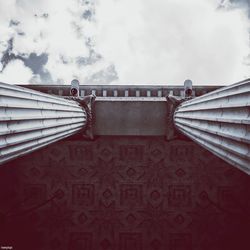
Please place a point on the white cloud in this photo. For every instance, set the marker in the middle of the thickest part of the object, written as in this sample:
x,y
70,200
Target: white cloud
x,y
148,42
51,27
16,73
167,41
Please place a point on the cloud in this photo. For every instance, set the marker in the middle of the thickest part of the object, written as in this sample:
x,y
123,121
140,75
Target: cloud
x,y
53,28
16,72
167,41
124,41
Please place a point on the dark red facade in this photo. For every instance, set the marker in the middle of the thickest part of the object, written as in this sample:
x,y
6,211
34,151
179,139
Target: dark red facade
x,y
124,193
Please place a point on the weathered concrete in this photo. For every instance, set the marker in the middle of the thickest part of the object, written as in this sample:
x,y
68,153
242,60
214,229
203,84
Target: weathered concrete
x,y
122,90
30,120
131,116
220,122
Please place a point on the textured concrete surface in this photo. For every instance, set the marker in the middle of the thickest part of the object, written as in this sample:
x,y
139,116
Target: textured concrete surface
x,y
130,116
220,122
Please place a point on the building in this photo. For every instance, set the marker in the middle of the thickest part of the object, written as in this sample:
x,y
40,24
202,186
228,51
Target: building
x,y
129,179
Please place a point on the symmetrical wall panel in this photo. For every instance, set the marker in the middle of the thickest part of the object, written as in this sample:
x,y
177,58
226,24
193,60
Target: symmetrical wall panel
x,y
124,193
220,122
30,120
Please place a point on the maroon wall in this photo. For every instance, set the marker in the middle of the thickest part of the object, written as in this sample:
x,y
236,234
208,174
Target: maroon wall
x,y
124,194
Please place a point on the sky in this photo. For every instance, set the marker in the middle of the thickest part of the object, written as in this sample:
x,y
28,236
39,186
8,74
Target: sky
x,y
124,41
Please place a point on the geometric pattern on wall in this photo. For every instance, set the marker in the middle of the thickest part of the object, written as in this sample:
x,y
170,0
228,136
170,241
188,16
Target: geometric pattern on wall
x,y
124,193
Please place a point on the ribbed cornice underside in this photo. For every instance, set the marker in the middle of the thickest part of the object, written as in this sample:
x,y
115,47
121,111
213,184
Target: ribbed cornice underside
x,y
30,120
220,122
